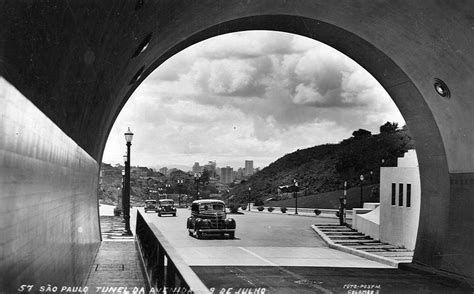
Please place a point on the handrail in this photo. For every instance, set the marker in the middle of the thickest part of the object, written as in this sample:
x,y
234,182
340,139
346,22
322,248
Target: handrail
x,y
165,270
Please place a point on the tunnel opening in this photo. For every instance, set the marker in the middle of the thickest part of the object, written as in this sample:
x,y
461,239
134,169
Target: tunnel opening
x,y
228,80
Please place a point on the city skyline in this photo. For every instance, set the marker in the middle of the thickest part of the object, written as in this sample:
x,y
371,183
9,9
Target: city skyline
x,y
254,94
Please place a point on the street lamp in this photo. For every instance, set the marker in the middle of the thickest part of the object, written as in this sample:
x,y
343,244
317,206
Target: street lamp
x,y
197,178
180,182
361,182
168,186
160,192
295,191
126,211
250,189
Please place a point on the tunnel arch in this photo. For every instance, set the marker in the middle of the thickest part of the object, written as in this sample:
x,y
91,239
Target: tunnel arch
x,y
78,62
395,81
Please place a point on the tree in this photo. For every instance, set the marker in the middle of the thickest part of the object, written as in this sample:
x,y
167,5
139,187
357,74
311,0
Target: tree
x,y
361,133
205,176
389,127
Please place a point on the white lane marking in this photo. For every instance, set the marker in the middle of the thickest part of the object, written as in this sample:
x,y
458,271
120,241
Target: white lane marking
x,y
258,256
294,275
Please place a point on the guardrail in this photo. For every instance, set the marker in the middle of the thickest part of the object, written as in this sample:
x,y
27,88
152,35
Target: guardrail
x,y
165,270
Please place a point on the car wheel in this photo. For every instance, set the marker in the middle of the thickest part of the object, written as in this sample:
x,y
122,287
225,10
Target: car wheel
x,y
232,235
159,214
174,214
190,233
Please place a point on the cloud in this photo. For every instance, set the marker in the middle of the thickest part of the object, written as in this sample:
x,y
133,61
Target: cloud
x,y
249,95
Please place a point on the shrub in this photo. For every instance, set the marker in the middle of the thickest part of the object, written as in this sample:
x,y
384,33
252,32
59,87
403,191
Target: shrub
x,y
244,207
270,209
317,211
283,209
260,208
233,208
258,202
117,211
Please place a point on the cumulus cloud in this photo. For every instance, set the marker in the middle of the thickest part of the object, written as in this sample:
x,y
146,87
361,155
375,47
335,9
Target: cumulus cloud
x,y
250,95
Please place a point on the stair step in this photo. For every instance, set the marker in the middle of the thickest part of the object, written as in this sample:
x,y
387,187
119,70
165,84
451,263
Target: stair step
x,y
396,254
385,247
343,233
363,238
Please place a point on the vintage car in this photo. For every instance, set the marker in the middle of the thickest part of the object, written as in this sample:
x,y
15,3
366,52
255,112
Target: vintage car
x,y
166,206
150,205
208,216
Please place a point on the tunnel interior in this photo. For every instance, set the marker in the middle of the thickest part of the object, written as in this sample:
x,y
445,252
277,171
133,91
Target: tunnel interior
x,y
79,62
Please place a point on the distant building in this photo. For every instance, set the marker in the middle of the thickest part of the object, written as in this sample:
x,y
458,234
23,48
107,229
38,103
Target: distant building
x,y
164,170
227,175
248,168
139,171
172,170
240,173
197,168
211,168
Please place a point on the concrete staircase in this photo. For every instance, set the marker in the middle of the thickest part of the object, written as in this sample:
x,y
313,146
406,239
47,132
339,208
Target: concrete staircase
x,y
342,237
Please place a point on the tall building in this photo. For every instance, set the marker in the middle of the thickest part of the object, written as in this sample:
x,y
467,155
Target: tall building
x,y
248,168
196,167
211,168
227,175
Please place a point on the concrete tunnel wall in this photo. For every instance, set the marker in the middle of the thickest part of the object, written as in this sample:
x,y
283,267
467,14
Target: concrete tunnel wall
x,y
78,62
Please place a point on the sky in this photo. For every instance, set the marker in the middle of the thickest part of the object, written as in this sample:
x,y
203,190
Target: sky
x,y
254,95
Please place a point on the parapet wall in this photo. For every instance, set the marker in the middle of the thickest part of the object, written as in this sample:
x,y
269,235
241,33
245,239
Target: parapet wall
x,y
48,202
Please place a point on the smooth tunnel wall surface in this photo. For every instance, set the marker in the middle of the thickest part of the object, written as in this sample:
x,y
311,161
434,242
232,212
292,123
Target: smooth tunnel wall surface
x,y
48,212
79,61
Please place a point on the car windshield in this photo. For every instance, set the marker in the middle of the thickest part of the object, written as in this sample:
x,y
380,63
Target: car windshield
x,y
211,207
166,202
150,202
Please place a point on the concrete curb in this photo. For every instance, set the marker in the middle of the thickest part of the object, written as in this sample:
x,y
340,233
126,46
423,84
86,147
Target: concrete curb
x,y
292,214
353,251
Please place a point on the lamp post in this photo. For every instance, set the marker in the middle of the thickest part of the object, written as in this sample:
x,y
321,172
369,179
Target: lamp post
x,y
250,189
126,214
361,182
342,208
180,182
295,191
160,192
197,178
122,194
168,186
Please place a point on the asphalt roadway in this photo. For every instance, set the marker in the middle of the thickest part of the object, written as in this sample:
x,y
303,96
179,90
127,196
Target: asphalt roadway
x,y
275,253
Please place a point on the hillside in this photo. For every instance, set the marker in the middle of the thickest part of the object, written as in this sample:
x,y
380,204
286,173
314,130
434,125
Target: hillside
x,y
331,199
324,168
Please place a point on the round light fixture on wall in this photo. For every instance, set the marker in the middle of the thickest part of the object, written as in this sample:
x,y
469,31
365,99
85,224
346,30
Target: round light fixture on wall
x,y
441,88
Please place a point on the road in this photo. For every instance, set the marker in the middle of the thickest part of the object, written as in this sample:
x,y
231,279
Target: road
x,y
261,239
275,253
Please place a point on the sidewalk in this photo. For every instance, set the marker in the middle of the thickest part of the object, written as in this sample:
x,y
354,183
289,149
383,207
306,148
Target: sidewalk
x,y
117,267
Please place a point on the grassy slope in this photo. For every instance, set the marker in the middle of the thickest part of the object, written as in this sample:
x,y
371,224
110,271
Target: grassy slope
x,y
324,168
329,199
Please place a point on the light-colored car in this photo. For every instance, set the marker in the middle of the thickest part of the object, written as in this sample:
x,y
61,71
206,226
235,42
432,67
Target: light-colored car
x,y
150,205
208,216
